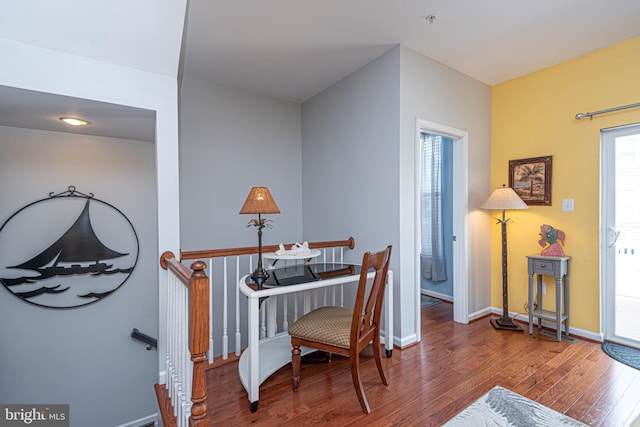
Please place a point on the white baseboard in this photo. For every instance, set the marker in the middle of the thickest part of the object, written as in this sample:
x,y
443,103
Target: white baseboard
x,y
142,421
586,334
480,313
551,325
438,295
405,341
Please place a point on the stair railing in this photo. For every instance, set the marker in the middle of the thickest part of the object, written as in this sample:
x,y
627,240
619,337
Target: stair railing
x,y
183,399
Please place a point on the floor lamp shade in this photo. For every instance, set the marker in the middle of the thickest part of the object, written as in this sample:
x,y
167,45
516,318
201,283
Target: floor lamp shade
x,y
503,199
259,201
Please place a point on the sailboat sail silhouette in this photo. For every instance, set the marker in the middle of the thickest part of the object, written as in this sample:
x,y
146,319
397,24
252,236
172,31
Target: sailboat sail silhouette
x,y
58,274
78,244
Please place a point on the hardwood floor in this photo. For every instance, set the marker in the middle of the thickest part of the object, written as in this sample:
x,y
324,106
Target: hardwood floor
x,y
432,381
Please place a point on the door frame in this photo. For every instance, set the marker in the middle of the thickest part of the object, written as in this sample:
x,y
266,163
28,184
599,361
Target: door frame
x,y
460,208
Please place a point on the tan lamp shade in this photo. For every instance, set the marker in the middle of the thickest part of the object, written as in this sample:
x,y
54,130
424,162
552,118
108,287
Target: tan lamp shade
x,y
504,199
259,201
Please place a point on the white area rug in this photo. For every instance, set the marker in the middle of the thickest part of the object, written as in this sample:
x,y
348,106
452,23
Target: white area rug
x,y
501,407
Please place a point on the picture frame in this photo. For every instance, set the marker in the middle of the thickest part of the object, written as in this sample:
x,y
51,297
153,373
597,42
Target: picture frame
x,y
531,179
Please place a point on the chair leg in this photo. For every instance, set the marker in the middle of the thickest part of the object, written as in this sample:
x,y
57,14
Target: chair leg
x,y
295,365
377,356
357,382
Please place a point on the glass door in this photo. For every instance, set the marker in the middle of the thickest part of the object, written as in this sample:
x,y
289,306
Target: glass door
x,y
620,225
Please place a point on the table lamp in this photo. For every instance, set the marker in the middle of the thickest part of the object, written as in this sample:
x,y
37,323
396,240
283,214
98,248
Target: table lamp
x,y
504,199
259,201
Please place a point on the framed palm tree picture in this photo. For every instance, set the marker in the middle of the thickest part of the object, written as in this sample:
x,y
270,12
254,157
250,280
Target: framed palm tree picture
x,y
531,179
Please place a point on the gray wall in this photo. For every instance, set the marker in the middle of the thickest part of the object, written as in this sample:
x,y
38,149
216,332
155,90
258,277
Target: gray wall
x,y
83,356
350,160
232,141
359,166
434,92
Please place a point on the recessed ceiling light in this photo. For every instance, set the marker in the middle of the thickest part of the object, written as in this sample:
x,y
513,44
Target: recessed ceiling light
x,y
74,121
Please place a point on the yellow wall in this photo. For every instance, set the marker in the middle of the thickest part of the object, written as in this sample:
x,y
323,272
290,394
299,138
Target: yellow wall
x,y
534,116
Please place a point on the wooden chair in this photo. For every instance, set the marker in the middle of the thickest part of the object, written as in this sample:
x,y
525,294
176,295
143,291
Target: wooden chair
x,y
339,330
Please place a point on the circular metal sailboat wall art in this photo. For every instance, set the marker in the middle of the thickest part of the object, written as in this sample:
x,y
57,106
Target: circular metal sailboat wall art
x,y
67,250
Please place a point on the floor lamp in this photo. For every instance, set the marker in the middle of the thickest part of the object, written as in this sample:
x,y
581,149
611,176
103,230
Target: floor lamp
x,y
503,199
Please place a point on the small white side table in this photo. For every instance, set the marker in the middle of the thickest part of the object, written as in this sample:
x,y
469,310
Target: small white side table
x,y
559,268
306,256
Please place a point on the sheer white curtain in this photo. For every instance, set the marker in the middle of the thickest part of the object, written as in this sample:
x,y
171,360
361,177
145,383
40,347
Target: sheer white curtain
x,y
432,257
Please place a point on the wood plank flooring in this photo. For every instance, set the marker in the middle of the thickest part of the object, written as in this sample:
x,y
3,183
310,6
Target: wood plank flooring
x,y
432,381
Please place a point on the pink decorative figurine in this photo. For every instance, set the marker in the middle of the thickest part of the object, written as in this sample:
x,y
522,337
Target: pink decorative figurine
x,y
551,236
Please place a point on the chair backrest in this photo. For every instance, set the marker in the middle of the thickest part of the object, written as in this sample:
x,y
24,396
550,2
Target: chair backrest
x,y
366,317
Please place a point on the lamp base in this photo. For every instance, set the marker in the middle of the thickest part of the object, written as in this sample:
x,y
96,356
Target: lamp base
x,y
259,276
505,323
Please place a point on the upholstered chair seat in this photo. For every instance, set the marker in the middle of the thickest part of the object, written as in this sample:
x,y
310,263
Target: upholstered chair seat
x,y
326,325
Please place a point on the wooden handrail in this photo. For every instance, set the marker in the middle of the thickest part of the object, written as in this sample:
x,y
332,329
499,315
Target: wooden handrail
x,y
215,253
168,261
197,284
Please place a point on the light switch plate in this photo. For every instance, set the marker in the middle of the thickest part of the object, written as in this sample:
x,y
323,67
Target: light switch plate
x,y
567,205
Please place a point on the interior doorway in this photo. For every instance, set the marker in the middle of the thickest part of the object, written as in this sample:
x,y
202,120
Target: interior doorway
x,y
459,236
620,234
436,220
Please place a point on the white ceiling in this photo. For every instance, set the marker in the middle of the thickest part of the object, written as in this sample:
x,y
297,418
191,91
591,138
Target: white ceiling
x,y
142,34
294,49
